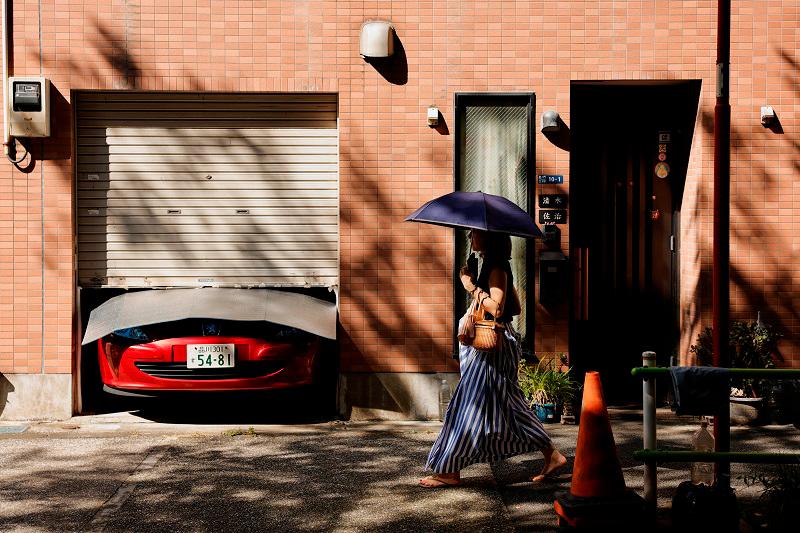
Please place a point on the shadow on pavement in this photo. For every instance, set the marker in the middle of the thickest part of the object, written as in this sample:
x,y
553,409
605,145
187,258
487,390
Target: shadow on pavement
x,y
274,407
332,479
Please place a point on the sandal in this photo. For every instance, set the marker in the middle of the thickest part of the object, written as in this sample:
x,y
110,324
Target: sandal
x,y
436,482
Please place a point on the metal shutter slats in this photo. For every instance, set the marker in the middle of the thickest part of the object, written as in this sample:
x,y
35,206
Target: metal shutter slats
x,y
197,189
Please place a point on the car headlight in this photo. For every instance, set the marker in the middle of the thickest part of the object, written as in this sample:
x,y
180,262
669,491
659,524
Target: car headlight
x,y
132,334
113,355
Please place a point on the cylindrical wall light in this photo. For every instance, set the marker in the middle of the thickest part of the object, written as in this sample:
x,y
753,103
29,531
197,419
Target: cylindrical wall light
x,y
551,121
377,39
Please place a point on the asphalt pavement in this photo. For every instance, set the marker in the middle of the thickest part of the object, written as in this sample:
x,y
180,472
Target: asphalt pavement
x,y
132,471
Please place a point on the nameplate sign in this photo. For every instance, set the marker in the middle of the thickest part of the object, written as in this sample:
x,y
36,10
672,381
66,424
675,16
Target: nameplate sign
x,y
551,179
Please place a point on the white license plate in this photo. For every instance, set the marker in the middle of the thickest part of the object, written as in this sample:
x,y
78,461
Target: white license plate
x,y
209,356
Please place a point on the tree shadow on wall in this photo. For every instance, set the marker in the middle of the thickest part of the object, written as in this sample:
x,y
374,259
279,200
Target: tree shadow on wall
x,y
397,330
387,319
762,272
200,163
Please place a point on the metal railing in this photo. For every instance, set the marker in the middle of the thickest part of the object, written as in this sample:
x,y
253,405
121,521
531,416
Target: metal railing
x,y
651,455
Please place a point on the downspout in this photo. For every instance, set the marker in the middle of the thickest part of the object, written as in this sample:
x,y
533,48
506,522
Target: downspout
x,y
722,213
6,136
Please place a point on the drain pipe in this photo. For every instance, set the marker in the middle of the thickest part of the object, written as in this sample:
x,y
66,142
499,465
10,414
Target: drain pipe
x,y
6,136
722,214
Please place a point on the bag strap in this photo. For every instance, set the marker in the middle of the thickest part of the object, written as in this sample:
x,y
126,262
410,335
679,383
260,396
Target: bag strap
x,y
472,310
480,313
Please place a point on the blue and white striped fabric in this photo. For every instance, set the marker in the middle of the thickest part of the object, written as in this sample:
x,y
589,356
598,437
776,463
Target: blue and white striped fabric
x,y
488,419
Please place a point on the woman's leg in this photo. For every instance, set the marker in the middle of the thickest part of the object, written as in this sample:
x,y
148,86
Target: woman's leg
x,y
554,461
447,451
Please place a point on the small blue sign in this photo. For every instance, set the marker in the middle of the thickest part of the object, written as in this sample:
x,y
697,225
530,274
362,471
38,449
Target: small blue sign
x,y
550,179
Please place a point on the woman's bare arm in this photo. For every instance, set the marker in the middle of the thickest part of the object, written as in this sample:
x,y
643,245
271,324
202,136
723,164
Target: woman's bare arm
x,y
493,300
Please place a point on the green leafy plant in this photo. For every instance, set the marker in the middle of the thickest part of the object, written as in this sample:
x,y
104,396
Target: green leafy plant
x,y
780,494
752,345
239,431
544,383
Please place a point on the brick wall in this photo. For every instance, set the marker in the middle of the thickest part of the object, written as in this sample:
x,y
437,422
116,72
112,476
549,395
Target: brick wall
x,y
396,278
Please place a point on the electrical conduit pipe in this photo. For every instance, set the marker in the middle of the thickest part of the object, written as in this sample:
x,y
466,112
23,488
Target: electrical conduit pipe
x,y
6,136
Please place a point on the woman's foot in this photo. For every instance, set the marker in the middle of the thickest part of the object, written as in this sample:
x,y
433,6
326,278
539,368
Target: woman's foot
x,y
553,462
440,480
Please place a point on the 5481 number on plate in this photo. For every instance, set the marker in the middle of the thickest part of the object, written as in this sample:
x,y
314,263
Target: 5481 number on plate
x,y
209,355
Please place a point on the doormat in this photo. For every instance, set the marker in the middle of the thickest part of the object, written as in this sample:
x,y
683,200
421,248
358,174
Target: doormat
x,y
12,429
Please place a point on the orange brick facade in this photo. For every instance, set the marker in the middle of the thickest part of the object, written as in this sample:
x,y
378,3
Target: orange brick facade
x,y
396,278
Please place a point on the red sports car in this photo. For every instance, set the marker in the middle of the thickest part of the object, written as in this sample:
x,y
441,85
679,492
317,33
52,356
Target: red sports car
x,y
207,355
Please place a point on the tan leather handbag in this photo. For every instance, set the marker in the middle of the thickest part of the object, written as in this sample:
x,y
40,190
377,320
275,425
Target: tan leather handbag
x,y
487,332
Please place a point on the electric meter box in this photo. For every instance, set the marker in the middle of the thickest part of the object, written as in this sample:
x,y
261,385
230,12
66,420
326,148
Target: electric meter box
x,y
29,107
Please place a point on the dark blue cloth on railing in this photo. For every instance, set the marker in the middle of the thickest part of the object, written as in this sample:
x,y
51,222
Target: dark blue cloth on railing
x,y
700,390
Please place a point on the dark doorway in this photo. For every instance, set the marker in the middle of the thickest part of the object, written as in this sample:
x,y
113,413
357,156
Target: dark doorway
x,y
630,149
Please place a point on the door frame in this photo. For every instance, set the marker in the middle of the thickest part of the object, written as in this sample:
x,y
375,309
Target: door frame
x,y
527,99
688,93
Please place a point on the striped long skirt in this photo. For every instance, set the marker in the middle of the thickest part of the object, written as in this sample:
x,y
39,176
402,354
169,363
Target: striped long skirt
x,y
488,419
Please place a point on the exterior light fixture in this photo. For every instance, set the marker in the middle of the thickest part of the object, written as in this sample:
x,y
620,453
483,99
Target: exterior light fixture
x,y
768,116
377,39
551,121
433,116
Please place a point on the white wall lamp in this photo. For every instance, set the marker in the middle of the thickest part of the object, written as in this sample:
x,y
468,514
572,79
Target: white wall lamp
x,y
768,116
433,116
377,39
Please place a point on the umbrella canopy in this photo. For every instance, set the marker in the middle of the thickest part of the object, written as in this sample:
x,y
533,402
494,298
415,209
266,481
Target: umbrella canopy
x,y
477,210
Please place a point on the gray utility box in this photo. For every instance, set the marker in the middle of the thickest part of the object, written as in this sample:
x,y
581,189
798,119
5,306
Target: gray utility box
x,y
552,277
29,107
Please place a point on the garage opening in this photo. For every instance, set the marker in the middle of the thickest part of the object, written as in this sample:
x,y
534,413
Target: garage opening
x,y
191,190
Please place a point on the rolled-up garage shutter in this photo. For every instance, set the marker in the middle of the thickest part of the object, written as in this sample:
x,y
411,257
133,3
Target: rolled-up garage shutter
x,y
207,189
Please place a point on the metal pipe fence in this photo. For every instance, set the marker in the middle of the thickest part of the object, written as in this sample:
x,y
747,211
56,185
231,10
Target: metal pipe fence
x,y
651,455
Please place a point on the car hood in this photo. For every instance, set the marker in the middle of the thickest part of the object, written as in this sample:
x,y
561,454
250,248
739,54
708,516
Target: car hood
x,y
165,305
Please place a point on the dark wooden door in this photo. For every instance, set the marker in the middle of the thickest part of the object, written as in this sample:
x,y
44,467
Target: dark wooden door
x,y
626,209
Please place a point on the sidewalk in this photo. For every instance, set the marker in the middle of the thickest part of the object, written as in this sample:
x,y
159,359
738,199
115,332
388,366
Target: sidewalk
x,y
122,472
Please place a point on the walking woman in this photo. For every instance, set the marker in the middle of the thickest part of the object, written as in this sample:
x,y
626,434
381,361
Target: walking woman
x,y
488,419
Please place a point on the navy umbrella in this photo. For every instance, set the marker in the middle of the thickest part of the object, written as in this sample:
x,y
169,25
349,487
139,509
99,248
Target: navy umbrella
x,y
477,210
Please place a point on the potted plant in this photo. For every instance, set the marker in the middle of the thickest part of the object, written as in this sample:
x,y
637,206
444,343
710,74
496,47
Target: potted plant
x,y
752,345
568,408
546,388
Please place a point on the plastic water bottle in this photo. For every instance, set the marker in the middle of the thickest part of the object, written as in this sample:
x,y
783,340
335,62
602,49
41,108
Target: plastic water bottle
x,y
444,398
703,441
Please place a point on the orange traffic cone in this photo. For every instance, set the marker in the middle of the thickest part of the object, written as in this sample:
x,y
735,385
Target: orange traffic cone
x,y
597,496
597,471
